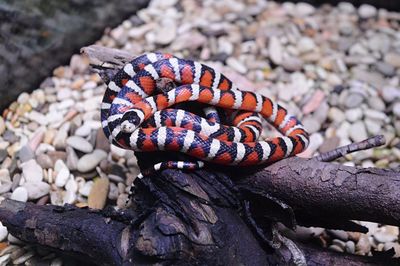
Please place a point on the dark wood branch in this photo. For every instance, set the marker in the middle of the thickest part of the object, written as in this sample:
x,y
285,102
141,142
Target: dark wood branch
x,y
333,191
353,147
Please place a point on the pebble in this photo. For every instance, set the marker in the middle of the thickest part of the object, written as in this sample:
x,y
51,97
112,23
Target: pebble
x,y
305,45
89,161
236,65
311,125
3,233
304,9
383,237
25,154
2,125
358,132
363,245
20,194
350,247
44,161
386,69
354,114
32,171
98,194
80,144
62,176
36,190
393,59
275,50
366,11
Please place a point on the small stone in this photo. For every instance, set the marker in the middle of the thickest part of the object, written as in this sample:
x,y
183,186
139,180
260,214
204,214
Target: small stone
x,y
329,144
275,50
340,234
102,143
72,159
86,188
311,125
384,237
304,9
305,45
89,161
121,201
44,161
350,247
62,177
354,114
346,7
113,192
373,126
389,94
59,141
336,115
3,155
98,194
376,103
366,11
3,232
2,125
358,132
25,154
396,109
385,69
292,64
32,171
363,245
23,98
20,194
236,65
335,248
36,190
83,131
80,144
353,100
90,85
339,243
69,197
166,33
393,59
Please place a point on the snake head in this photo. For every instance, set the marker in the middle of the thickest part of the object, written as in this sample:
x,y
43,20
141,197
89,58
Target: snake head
x,y
131,120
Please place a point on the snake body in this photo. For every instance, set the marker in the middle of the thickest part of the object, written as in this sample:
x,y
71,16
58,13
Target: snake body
x,y
134,119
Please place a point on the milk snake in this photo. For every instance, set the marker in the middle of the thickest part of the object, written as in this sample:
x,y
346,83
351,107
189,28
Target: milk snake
x,y
135,117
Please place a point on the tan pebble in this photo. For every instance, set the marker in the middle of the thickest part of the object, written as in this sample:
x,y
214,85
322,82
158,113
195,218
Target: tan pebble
x,y
98,194
77,84
49,136
355,236
2,125
121,201
81,205
363,245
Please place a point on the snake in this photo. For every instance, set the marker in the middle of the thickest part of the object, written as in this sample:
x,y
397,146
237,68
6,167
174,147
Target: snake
x,y
130,102
139,75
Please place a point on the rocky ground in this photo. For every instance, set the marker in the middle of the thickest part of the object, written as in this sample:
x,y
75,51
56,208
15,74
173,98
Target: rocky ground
x,y
337,68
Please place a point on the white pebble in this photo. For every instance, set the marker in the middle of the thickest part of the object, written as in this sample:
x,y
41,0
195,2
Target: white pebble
x,y
20,194
32,171
3,232
80,144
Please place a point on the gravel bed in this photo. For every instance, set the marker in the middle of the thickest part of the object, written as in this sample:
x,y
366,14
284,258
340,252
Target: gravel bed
x,y
337,68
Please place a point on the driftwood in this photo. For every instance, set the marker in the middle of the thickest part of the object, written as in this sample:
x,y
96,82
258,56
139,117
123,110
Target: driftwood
x,y
218,216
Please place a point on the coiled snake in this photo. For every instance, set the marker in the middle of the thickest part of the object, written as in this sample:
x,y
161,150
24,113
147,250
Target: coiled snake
x,y
134,118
